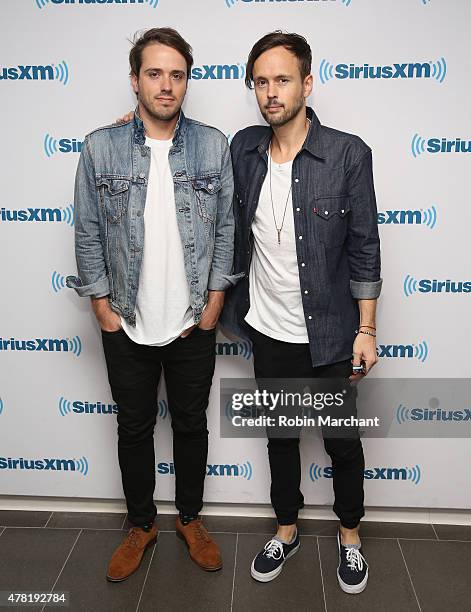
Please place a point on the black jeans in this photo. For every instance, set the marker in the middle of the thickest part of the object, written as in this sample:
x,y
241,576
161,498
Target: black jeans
x,y
134,373
276,359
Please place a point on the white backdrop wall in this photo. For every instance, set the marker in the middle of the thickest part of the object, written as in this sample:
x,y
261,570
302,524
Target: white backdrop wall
x,y
63,72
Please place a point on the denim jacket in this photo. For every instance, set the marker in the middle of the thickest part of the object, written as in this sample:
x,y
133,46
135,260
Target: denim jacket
x,y
110,195
335,221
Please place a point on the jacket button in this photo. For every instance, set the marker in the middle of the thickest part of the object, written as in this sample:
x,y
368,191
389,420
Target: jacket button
x,y
309,317
210,186
142,175
139,213
326,212
300,237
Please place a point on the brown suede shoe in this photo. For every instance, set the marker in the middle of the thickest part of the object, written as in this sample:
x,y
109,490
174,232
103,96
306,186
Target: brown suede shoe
x,y
128,556
203,550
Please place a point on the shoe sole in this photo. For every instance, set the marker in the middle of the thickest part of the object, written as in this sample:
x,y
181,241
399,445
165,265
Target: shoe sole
x,y
353,589
148,545
208,568
273,574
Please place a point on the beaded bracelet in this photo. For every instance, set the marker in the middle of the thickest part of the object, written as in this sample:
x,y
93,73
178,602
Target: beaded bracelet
x,y
360,331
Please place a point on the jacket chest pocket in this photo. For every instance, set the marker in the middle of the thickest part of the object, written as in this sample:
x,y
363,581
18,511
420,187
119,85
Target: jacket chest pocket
x,y
331,219
114,196
206,191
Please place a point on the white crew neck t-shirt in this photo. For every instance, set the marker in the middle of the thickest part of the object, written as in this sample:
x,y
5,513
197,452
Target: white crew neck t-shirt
x,y
163,308
276,308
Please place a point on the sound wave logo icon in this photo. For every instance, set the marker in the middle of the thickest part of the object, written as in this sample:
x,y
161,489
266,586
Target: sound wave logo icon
x,y
245,470
439,70
65,406
61,72
410,285
402,414
230,3
414,474
68,214
81,465
326,71
75,345
315,472
58,282
429,217
50,145
1,405
162,409
421,351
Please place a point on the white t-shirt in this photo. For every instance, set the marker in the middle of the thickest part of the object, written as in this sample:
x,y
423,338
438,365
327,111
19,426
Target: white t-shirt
x,y
163,308
276,308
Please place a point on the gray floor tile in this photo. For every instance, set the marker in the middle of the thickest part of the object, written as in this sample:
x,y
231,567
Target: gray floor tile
x,y
87,520
298,587
440,574
388,589
176,583
453,532
31,558
84,575
23,518
419,531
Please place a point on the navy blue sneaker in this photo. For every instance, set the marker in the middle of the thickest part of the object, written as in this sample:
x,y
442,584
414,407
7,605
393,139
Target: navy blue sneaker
x,y
268,564
352,571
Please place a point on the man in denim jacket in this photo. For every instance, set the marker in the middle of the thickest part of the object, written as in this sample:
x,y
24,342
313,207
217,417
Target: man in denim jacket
x,y
154,247
307,239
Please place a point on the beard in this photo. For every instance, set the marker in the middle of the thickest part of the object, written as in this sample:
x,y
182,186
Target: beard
x,y
161,115
286,115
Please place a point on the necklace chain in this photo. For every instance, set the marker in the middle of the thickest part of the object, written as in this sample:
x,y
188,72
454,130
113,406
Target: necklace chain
x,y
279,229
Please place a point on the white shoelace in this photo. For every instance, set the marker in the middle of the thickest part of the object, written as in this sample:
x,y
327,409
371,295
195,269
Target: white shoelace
x,y
354,559
273,549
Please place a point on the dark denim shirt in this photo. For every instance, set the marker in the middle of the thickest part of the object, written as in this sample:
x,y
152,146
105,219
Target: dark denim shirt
x,y
335,220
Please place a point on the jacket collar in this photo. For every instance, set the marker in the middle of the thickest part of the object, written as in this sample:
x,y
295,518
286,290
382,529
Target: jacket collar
x,y
139,132
314,142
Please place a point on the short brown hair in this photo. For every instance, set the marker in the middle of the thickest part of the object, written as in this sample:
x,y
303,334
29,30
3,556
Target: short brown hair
x,y
164,36
295,43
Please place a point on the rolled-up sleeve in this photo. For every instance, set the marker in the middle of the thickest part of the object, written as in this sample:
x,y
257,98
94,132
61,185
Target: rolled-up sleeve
x,y
363,245
92,279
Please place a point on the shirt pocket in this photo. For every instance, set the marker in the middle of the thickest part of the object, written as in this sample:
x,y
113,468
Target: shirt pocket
x,y
114,196
206,190
332,218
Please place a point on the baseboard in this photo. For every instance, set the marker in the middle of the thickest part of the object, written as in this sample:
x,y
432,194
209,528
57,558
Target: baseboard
x,y
378,514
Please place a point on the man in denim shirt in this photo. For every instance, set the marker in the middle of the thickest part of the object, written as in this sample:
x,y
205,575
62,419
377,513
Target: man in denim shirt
x,y
307,239
154,247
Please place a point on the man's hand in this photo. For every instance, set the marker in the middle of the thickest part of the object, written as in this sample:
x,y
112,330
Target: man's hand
x,y
108,319
211,313
125,118
364,350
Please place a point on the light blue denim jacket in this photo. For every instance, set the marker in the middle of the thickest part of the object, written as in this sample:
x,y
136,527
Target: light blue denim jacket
x,y
110,195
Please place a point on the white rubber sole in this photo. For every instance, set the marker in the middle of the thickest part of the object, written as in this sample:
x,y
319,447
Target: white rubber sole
x,y
271,575
353,589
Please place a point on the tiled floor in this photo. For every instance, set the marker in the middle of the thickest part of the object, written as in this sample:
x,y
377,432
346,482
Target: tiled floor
x,y
412,566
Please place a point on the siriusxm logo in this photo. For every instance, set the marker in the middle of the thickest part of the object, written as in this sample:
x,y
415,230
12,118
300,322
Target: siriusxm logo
x,y
79,407
56,465
213,72
41,215
48,345
231,3
418,351
240,470
438,145
243,348
316,472
412,70
64,145
404,414
42,3
427,217
429,285
49,72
